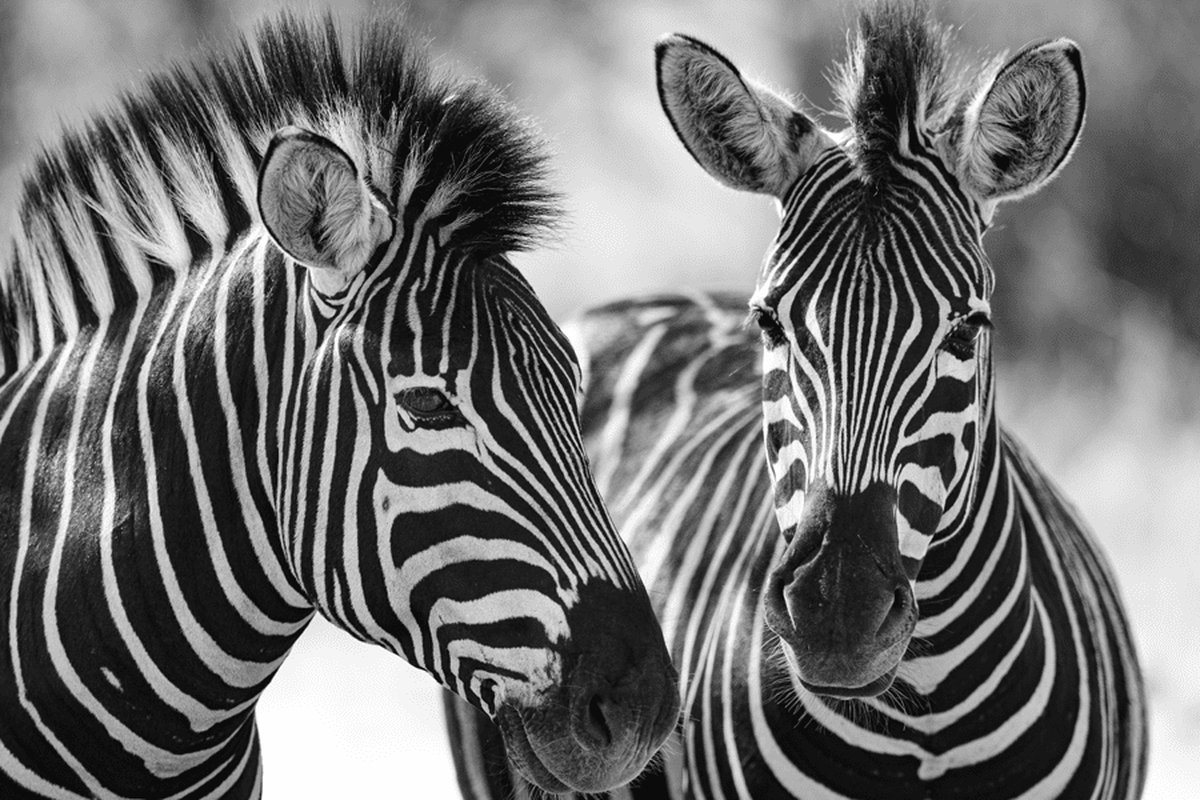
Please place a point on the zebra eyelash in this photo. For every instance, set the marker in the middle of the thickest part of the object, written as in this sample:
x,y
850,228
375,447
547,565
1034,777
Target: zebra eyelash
x,y
768,323
430,408
964,334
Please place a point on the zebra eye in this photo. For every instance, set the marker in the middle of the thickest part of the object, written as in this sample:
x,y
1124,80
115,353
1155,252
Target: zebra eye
x,y
768,323
960,341
429,407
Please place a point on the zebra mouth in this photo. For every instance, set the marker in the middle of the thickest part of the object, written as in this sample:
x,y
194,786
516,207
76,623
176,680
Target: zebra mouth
x,y
523,755
871,689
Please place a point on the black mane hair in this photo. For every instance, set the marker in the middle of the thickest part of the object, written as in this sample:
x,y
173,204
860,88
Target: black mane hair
x,y
169,173
900,72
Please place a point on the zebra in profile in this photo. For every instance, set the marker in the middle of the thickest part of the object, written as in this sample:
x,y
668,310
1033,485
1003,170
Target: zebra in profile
x,y
264,355
898,604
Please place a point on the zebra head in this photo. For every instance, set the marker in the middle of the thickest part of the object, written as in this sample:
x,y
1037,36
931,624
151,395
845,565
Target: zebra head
x,y
873,304
435,494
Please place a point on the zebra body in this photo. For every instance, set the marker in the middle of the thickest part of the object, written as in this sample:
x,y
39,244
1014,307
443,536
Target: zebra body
x,y
922,615
263,355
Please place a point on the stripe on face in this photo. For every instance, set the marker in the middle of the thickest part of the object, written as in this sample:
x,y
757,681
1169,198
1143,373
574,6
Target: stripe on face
x,y
861,388
505,468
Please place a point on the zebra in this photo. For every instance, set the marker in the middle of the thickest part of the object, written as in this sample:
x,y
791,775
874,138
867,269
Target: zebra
x,y
264,355
897,603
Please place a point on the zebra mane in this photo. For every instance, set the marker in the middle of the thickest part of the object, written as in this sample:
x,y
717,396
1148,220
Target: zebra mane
x,y
147,189
900,71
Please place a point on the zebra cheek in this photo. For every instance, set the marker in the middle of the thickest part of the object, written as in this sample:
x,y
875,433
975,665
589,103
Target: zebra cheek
x,y
919,503
789,509
775,362
913,545
393,431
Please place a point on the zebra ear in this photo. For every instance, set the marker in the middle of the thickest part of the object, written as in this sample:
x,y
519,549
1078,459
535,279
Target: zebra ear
x,y
1022,127
316,206
743,134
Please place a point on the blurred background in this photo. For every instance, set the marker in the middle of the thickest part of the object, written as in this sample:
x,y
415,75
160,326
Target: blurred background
x,y
1097,305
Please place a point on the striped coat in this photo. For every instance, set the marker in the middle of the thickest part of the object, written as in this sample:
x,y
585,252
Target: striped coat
x,y
262,355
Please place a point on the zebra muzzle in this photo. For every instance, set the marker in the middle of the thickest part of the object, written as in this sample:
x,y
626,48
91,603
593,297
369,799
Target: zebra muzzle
x,y
840,599
617,703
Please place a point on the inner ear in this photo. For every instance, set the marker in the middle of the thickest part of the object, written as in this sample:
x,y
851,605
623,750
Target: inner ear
x,y
1023,126
743,134
316,206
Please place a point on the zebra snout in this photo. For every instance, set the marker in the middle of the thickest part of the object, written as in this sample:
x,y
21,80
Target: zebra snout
x,y
899,615
618,697
618,701
840,599
624,722
843,635
623,687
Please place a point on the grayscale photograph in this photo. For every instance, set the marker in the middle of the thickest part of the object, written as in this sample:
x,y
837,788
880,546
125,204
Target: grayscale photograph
x,y
521,399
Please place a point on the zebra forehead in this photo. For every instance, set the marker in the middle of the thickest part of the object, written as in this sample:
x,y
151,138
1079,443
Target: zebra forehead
x,y
879,262
495,309
176,161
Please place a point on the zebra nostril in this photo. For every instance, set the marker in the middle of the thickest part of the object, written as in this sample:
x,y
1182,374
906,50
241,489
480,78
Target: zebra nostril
x,y
898,613
594,724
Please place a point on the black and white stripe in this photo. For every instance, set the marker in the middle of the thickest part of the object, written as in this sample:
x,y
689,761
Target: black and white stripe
x,y
208,440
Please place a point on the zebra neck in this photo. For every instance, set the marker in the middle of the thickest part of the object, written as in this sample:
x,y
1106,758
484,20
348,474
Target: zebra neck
x,y
239,335
219,380
974,587
146,601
